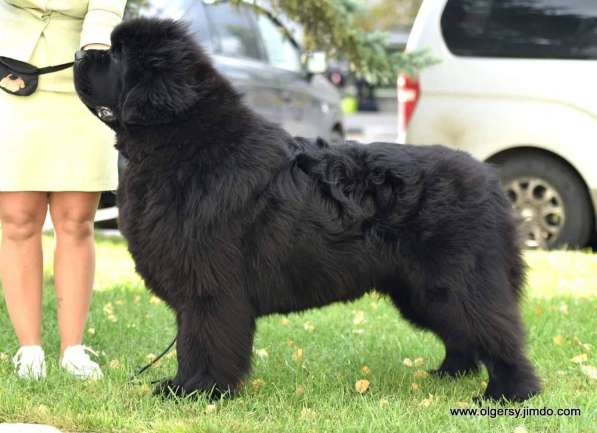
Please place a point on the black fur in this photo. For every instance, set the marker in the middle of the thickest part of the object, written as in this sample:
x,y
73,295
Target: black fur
x,y
229,218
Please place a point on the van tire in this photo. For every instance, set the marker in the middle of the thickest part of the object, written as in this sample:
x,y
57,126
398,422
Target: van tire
x,y
578,224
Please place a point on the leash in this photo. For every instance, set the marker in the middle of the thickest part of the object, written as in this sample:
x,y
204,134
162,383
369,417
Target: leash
x,y
146,367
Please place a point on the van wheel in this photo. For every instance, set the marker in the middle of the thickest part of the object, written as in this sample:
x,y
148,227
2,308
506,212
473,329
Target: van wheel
x,y
551,200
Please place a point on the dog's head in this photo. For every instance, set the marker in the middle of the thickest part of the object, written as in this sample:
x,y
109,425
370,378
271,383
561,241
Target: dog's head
x,y
150,75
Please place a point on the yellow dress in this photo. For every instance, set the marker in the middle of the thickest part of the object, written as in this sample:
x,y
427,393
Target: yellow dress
x,y
49,141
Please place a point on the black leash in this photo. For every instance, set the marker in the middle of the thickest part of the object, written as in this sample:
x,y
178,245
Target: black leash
x,y
146,367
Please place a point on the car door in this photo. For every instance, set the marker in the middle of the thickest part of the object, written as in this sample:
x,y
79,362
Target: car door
x,y
302,114
239,55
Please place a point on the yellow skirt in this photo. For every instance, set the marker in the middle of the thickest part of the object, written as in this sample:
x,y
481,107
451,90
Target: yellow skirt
x,y
49,141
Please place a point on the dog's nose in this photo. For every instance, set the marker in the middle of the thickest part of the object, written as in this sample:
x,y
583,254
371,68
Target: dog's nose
x,y
79,55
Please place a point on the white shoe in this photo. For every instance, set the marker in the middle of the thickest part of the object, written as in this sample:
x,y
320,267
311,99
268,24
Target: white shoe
x,y
29,362
75,360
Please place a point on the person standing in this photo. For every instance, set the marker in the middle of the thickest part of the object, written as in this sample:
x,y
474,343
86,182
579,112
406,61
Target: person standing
x,y
54,155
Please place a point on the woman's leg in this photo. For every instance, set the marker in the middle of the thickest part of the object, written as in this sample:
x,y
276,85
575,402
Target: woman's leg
x,y
22,216
74,261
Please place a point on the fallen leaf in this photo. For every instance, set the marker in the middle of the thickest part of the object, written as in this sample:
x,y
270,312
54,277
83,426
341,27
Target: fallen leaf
x,y
291,343
308,413
210,408
590,371
426,402
414,386
300,390
383,402
365,369
558,340
150,356
309,327
407,362
419,362
420,374
284,321
256,384
361,386
359,317
298,355
261,353
579,359
520,429
114,364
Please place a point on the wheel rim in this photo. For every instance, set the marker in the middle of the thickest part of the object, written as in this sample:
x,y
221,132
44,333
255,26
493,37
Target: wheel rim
x,y
540,207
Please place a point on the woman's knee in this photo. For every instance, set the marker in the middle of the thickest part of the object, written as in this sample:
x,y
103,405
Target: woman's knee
x,y
75,226
19,226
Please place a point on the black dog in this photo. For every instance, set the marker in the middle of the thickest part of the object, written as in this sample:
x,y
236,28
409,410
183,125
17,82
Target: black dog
x,y
229,218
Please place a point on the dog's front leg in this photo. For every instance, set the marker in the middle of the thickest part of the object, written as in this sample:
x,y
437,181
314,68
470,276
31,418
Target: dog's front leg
x,y
215,338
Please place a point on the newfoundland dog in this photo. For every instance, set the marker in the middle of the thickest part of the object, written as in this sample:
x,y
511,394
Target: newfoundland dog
x,y
229,218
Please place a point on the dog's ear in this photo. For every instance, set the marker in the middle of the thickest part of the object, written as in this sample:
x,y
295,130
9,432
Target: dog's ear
x,y
157,99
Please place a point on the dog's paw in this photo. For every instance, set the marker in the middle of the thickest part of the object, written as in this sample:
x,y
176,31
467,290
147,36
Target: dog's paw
x,y
168,389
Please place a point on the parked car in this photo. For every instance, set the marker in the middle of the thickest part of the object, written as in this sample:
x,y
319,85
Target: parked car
x,y
514,86
262,60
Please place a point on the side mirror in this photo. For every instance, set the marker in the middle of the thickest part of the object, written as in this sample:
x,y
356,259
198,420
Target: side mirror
x,y
317,63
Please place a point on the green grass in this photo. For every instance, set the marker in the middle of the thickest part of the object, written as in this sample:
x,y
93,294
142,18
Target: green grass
x,y
126,325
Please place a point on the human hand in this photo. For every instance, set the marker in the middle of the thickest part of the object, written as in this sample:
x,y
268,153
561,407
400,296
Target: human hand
x,y
96,47
12,83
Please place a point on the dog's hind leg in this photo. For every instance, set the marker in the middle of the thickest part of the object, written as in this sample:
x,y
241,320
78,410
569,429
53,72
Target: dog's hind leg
x,y
461,351
213,346
501,337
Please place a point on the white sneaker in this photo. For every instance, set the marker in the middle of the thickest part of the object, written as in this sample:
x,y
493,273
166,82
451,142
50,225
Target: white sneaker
x,y
76,361
29,362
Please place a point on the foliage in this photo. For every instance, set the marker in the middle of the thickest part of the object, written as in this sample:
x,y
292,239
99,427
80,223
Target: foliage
x,y
333,26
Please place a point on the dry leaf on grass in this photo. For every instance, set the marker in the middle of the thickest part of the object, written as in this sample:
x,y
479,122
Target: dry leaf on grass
x,y
383,402
361,386
359,317
284,321
256,384
210,408
300,390
418,362
407,362
365,369
298,355
261,353
420,374
579,359
426,402
414,386
309,327
114,364
308,413
558,340
155,300
590,371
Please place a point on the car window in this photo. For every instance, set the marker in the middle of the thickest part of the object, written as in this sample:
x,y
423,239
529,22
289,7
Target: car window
x,y
281,52
560,29
234,31
198,25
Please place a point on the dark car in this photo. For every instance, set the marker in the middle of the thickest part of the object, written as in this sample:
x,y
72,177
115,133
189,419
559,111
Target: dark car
x,y
263,61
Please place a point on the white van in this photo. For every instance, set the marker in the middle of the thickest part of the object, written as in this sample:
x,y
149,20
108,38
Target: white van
x,y
516,85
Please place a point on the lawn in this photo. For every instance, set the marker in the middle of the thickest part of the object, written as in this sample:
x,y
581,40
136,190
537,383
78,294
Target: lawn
x,y
306,366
